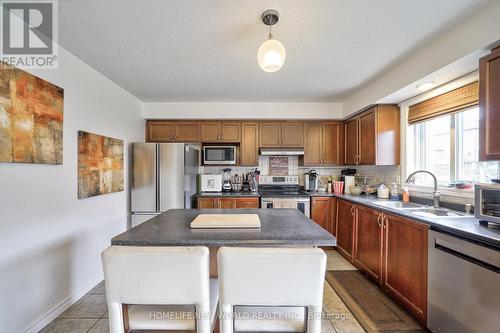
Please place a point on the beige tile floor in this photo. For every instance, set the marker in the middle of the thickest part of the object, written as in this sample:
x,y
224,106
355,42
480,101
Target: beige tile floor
x,y
89,314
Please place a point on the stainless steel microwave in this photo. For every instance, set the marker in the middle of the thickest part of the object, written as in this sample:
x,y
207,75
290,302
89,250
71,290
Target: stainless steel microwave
x,y
487,202
219,155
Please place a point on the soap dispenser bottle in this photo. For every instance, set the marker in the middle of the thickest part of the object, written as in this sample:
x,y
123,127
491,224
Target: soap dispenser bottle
x,y
394,192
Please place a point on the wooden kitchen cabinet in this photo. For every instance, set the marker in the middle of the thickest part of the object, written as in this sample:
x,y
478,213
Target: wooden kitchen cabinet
x,y
372,137
312,143
332,143
346,216
249,148
292,134
489,106
367,254
173,131
208,203
405,263
228,202
160,131
253,202
210,131
281,134
269,135
321,211
220,131
322,143
351,141
367,135
188,131
332,228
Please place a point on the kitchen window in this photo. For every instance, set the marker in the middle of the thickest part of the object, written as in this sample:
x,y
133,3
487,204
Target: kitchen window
x,y
448,146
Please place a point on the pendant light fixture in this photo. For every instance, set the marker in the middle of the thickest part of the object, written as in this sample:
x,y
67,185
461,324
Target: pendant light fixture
x,y
271,55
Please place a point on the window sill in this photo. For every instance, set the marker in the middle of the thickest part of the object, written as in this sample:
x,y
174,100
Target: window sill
x,y
452,192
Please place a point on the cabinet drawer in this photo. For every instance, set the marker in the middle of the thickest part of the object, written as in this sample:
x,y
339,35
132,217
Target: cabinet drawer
x,y
247,203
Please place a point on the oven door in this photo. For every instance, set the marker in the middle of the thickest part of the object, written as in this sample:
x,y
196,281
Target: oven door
x,y
219,155
302,204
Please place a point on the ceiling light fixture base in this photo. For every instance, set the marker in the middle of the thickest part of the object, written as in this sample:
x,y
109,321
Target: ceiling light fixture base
x,y
270,17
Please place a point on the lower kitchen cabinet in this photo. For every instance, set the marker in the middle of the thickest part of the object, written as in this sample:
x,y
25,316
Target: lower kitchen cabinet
x,y
321,211
367,254
208,203
346,215
405,263
228,202
390,249
247,202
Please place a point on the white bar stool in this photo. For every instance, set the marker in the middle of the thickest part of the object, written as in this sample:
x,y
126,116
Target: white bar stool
x,y
159,288
271,289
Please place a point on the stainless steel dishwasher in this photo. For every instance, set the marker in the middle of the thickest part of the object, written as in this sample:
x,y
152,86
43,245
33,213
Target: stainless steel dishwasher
x,y
464,285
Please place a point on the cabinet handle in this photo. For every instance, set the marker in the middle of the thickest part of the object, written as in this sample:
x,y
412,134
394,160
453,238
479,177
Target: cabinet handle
x,y
352,209
378,220
384,222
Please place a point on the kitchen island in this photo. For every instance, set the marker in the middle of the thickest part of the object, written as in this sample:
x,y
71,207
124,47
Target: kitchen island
x,y
279,227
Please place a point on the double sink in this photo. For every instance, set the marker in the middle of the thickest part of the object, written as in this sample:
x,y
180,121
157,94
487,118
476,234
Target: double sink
x,y
421,210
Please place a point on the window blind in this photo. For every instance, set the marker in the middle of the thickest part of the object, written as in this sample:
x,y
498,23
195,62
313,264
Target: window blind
x,y
451,102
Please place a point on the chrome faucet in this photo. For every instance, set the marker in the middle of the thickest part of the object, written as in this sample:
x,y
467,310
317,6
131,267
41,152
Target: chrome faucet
x,y
435,194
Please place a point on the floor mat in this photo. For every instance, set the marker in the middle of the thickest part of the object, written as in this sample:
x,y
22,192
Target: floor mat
x,y
372,308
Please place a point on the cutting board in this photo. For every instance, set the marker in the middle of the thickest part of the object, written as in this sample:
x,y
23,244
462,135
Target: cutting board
x,y
221,221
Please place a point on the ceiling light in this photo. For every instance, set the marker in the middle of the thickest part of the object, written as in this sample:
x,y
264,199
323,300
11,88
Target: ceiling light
x,y
425,86
271,55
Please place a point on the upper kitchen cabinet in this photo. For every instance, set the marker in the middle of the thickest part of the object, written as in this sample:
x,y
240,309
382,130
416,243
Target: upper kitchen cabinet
x,y
159,131
351,129
249,148
292,134
225,131
187,131
281,134
323,143
172,131
372,137
489,106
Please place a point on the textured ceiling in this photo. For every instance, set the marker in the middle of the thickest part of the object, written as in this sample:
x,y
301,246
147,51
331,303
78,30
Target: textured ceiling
x,y
191,50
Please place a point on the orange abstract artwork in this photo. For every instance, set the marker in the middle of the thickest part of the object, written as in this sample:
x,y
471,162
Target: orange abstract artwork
x,y
31,118
100,165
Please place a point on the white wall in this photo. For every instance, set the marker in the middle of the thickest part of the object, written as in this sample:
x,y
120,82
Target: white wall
x,y
475,32
50,241
242,110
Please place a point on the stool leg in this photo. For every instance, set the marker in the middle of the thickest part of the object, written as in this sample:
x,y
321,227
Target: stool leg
x,y
226,318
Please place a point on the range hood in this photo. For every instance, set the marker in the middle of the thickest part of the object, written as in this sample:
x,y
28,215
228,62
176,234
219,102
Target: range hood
x,y
281,152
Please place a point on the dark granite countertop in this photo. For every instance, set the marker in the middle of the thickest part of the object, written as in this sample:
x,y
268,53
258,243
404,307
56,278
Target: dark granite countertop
x,y
280,227
228,194
466,227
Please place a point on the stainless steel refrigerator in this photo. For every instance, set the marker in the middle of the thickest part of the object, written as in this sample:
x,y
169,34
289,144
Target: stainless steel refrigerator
x,y
164,176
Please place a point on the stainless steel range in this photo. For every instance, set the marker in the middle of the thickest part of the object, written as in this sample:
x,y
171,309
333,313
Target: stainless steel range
x,y
283,192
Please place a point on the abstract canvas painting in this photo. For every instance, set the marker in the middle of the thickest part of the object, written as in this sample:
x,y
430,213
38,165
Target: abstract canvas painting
x,y
31,118
100,165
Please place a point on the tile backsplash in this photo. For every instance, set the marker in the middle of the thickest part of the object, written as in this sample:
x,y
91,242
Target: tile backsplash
x,y
375,174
